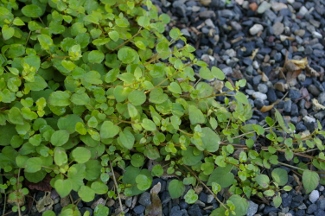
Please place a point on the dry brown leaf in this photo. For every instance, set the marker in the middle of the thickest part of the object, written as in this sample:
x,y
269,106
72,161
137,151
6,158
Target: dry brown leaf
x,y
267,108
310,71
205,2
155,208
254,53
302,63
317,105
264,77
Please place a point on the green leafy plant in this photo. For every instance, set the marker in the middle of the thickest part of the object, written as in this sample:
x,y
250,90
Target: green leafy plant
x,y
89,88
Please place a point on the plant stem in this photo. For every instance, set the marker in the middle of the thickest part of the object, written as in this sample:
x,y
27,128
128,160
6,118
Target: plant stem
x,y
115,182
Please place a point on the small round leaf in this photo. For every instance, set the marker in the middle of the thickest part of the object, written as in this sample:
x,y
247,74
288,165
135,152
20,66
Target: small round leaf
x,y
81,154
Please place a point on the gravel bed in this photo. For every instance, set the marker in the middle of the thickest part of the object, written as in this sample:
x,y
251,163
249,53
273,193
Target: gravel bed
x,y
227,34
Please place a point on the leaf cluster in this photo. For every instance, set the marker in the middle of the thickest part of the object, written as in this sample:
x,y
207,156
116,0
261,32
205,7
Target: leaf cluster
x,y
87,87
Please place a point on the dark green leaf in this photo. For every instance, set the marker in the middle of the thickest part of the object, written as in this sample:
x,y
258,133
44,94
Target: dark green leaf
x,y
176,188
32,11
310,180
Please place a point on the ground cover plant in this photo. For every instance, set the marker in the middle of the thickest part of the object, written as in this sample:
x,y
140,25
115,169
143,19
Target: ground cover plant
x,y
93,88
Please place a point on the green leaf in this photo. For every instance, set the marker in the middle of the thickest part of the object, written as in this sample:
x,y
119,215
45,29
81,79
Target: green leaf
x,y
101,210
277,201
127,55
7,32
157,96
143,182
217,73
38,84
190,157
33,165
157,170
18,22
210,140
175,88
205,73
63,187
15,116
222,176
99,187
120,93
196,116
263,180
81,154
80,98
175,33
280,121
241,97
114,35
176,188
59,98
45,41
126,139
163,49
111,75
92,77
32,11
137,160
241,204
137,97
108,130
86,193
95,56
133,112
191,197
310,180
69,122
280,176
148,124
60,156
60,137
35,140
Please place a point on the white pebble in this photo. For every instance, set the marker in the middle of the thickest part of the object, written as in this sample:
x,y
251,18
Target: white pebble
x,y
313,196
259,95
255,29
317,35
303,11
309,119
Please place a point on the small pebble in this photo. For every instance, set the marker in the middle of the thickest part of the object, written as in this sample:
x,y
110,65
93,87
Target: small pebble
x,y
314,195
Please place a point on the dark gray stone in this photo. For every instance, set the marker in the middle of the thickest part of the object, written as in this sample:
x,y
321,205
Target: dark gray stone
x,y
321,98
203,197
139,209
271,96
145,199
300,127
319,212
294,109
269,209
294,94
286,200
321,203
311,209
183,204
194,210
287,106
175,211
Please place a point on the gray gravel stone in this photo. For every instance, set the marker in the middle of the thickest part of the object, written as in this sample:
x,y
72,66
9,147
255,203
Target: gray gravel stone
x,y
252,209
262,88
255,29
139,209
263,7
314,195
311,209
321,98
278,28
145,199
